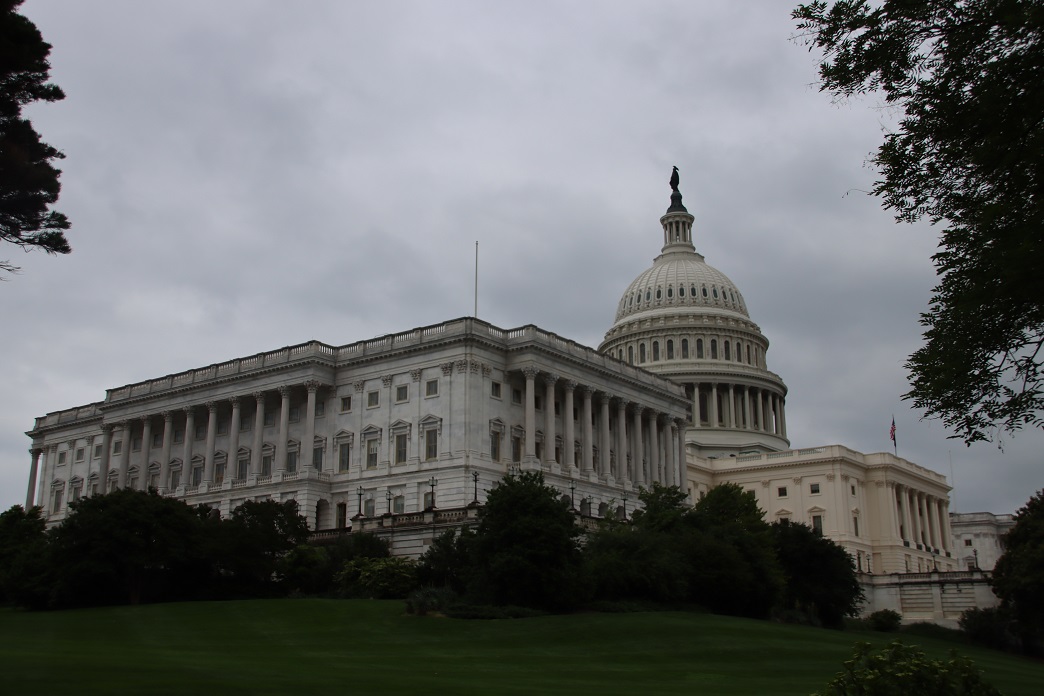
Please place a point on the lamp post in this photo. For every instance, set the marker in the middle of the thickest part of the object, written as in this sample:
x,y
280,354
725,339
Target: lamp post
x,y
475,478
359,491
625,506
572,493
388,496
432,482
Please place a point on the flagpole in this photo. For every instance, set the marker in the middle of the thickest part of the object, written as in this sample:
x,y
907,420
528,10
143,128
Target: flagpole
x,y
895,441
476,280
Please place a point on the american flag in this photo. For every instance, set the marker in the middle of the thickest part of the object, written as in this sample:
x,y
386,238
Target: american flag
x,y
891,432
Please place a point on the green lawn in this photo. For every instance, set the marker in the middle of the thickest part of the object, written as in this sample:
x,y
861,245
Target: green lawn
x,y
366,647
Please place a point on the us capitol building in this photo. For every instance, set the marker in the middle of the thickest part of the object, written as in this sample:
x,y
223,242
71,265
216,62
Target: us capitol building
x,y
403,434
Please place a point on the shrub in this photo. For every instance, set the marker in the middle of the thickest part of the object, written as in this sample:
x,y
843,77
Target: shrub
x,y
378,578
884,620
990,627
901,670
426,600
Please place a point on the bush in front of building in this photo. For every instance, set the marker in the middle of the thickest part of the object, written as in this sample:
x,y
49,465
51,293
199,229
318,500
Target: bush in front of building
x,y
992,627
884,620
378,578
903,670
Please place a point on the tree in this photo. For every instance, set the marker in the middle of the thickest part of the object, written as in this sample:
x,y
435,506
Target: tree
x,y
254,541
968,77
29,183
820,578
1018,577
525,550
24,566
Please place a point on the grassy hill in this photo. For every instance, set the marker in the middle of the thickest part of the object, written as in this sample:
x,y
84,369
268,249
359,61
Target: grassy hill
x,y
312,646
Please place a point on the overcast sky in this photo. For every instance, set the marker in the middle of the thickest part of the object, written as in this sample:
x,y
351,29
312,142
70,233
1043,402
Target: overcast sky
x,y
242,176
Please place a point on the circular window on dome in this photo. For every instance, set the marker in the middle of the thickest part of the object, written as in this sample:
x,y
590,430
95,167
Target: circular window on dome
x,y
659,293
670,292
704,291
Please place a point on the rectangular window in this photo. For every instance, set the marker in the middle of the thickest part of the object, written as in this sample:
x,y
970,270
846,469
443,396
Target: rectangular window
x,y
538,402
61,457
373,399
320,409
855,525
269,418
201,431
242,469
246,424
291,462
431,445
136,444
317,458
494,390
399,504
117,447
967,542
431,387
516,449
157,440
371,453
346,404
79,454
781,491
402,393
344,456
817,524
266,465
368,507
400,448
219,473
494,446
558,412
295,414
516,396
222,426
813,488
74,494
853,489
179,435
175,479
97,451
57,500
429,500
197,475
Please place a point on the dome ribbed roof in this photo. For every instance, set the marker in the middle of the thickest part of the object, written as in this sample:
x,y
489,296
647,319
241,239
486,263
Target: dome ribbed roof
x,y
679,281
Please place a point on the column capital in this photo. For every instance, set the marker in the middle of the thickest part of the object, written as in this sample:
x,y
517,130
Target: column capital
x,y
212,406
587,391
569,384
415,376
550,378
313,385
189,410
119,424
386,380
168,416
36,451
530,372
284,391
234,401
259,396
447,370
605,397
359,385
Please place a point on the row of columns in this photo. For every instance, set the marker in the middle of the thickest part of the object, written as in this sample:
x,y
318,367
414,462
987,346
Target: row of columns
x,y
124,428
743,406
659,460
922,519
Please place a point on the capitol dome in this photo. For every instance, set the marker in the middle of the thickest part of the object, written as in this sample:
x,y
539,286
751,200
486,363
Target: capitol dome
x,y
687,321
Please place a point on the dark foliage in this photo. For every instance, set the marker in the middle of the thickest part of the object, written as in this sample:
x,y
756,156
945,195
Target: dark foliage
x,y
1018,577
884,620
968,76
25,575
29,183
992,627
447,562
253,543
820,577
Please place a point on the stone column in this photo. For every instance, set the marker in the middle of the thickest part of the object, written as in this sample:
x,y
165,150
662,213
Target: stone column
x,y
588,432
284,428
671,436
933,521
883,490
748,422
918,528
208,463
944,510
696,404
530,453
30,494
549,417
103,465
621,440
639,449
186,456
783,417
124,458
259,434
907,514
570,426
761,411
683,467
606,443
232,460
146,447
714,406
732,407
168,438
653,420
308,442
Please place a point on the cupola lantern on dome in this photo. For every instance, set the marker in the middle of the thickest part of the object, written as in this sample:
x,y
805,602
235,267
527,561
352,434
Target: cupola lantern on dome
x,y
687,321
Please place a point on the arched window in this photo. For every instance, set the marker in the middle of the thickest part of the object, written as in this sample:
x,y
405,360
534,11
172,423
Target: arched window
x,y
681,291
714,349
641,353
728,352
699,349
630,354
656,351
670,292
648,295
659,293
715,290
748,353
670,349
704,292
685,349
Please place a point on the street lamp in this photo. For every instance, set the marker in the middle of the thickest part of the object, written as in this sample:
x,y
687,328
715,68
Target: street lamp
x,y
625,506
572,492
433,482
359,491
475,478
388,496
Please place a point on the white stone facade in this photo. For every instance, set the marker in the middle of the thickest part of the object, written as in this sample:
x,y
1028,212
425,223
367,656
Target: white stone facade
x,y
978,538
